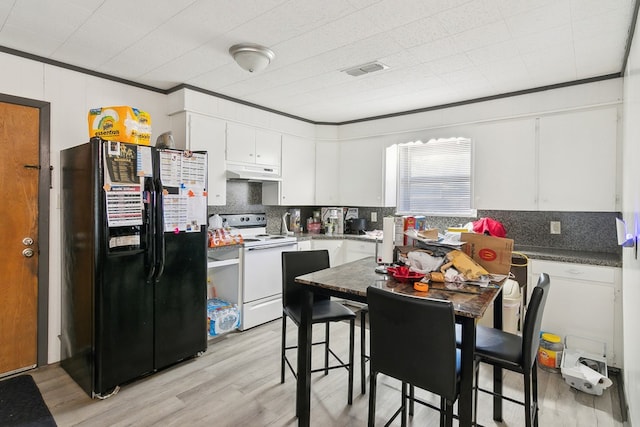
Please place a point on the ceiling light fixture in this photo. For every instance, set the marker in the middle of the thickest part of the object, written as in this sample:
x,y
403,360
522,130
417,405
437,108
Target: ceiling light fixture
x,y
252,57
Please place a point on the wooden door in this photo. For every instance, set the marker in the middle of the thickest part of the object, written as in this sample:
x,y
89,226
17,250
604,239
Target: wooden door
x,y
19,174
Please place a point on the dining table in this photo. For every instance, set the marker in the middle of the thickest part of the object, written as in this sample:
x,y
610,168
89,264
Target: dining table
x,y
350,281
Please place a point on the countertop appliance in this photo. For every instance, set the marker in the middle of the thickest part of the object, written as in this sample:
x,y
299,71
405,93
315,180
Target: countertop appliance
x,y
261,261
355,226
134,263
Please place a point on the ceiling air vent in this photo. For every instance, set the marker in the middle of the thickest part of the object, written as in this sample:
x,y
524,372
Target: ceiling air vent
x,y
367,68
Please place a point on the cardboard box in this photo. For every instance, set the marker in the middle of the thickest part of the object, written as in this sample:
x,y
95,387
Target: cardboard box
x,y
492,253
421,222
122,123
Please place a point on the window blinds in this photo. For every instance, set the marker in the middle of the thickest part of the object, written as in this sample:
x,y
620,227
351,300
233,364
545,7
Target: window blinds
x,y
435,177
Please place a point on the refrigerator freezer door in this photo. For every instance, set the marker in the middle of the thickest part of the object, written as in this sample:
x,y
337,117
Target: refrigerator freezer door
x,y
107,304
124,322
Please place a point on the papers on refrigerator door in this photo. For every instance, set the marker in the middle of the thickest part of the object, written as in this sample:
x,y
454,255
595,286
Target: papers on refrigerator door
x,y
124,205
122,184
184,175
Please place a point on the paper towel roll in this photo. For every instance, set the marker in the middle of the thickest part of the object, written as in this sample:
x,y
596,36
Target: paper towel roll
x,y
621,228
624,238
388,232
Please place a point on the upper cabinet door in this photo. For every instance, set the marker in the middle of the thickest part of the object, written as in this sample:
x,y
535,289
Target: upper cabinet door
x,y
578,155
208,133
241,143
362,173
298,171
327,178
268,147
505,165
246,144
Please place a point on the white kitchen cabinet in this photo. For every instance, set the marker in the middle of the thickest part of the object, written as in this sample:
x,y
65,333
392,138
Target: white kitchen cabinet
x,y
246,144
510,184
298,175
327,173
559,162
363,175
354,250
577,156
583,301
195,132
334,246
342,251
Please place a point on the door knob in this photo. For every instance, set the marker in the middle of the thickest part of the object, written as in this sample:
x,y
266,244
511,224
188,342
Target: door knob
x,y
28,252
27,241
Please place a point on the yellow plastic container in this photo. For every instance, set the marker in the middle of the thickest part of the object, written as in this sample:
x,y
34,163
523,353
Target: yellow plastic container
x,y
550,352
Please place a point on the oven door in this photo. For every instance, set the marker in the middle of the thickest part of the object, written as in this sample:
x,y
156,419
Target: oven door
x,y
263,270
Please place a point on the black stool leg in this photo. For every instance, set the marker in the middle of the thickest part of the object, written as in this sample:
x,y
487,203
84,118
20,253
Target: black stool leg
x,y
527,398
284,344
411,399
352,327
326,349
403,413
363,357
372,398
534,380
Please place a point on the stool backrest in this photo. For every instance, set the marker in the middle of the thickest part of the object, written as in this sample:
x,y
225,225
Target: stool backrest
x,y
297,263
414,340
533,321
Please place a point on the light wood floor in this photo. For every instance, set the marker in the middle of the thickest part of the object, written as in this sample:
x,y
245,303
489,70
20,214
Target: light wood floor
x,y
237,383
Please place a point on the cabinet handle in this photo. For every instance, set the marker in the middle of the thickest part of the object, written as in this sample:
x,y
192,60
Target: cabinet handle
x,y
574,271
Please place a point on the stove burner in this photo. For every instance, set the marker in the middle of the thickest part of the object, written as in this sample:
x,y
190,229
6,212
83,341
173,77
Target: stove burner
x,y
262,235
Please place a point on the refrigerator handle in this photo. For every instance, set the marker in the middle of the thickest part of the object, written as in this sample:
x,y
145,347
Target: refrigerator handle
x,y
159,232
150,257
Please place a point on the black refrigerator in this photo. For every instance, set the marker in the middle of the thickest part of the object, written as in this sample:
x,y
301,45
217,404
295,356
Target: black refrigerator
x,y
134,262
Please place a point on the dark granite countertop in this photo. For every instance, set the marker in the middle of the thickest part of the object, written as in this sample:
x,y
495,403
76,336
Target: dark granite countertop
x,y
606,259
565,255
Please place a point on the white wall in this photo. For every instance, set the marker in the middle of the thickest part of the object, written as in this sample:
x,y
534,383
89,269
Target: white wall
x,y
71,95
631,214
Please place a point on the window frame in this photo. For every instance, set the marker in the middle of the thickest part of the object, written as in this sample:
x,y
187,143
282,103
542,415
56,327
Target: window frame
x,y
405,210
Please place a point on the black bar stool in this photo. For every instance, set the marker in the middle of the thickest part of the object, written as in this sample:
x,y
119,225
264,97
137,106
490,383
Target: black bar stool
x,y
325,311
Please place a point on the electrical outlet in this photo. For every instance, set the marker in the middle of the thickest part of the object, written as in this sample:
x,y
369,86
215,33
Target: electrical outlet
x,y
555,227
374,216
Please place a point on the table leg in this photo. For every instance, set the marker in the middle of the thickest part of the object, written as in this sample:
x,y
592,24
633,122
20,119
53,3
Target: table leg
x,y
497,371
303,389
465,401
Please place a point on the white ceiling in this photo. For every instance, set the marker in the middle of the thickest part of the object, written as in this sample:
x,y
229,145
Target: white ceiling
x,y
438,51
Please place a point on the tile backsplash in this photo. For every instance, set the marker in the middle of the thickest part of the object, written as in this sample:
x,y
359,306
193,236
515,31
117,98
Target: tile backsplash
x,y
582,231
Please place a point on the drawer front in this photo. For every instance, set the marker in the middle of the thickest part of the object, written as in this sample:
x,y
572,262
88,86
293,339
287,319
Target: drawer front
x,y
259,312
582,272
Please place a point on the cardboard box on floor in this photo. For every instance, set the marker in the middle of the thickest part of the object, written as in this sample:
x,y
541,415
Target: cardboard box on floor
x,y
493,253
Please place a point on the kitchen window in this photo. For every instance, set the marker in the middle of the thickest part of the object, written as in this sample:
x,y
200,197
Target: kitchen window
x,y
434,178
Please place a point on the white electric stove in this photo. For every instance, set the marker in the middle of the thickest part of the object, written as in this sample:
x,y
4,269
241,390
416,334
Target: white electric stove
x,y
261,267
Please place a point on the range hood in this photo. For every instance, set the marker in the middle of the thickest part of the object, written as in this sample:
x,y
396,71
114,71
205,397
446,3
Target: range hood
x,y
253,172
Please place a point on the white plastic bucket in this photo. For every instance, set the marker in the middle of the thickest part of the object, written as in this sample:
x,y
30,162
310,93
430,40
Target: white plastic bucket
x,y
511,301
